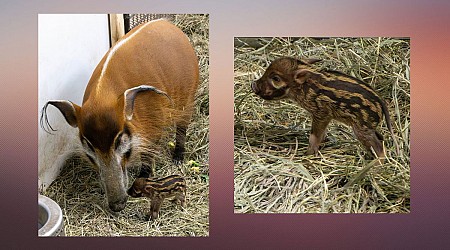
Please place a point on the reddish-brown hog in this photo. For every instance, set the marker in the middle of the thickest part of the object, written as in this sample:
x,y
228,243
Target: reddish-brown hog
x,y
145,83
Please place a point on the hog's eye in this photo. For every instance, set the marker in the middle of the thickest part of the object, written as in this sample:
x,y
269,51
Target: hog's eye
x,y
122,144
276,78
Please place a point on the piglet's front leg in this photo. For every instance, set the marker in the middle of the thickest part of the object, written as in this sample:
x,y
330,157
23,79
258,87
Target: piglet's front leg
x,y
154,208
182,198
319,126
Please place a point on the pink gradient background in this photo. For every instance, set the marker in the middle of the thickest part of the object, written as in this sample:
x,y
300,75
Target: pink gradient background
x,y
427,23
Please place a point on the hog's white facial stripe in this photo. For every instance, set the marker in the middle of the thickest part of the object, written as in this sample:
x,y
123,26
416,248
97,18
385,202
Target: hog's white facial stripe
x,y
89,150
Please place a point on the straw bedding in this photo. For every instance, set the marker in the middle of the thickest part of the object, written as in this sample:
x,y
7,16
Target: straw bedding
x,y
79,193
271,173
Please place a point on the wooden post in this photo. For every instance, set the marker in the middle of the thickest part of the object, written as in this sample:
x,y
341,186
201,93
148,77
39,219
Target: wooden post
x,y
116,27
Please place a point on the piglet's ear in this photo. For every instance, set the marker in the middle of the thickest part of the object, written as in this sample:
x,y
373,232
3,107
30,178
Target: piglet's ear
x,y
301,75
148,189
310,60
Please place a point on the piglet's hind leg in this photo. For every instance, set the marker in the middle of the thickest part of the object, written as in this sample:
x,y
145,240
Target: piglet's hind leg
x,y
370,139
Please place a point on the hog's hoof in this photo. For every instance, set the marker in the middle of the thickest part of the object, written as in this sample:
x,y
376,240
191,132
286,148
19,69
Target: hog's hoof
x,y
178,157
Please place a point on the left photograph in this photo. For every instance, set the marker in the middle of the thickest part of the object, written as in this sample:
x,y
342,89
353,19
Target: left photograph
x,y
123,130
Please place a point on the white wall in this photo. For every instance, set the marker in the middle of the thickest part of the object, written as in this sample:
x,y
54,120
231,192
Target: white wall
x,y
69,47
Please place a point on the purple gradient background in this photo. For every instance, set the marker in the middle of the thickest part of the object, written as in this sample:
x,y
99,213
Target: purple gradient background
x,y
427,23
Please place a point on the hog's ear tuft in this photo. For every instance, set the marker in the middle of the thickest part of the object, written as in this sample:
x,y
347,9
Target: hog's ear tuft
x,y
130,95
69,110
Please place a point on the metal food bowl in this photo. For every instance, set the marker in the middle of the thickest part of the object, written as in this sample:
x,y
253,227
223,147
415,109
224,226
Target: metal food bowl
x,y
50,219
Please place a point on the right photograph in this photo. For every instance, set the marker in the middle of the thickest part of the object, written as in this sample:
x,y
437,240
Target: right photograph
x,y
322,125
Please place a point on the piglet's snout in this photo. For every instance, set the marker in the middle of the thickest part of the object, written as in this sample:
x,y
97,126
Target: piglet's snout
x,y
255,88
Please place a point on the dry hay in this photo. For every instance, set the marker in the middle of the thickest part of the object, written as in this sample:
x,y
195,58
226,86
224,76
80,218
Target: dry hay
x,y
79,193
271,173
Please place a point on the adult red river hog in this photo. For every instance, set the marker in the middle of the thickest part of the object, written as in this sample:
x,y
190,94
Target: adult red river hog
x,y
145,83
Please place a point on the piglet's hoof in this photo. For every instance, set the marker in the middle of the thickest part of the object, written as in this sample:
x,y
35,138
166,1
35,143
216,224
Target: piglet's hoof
x,y
311,151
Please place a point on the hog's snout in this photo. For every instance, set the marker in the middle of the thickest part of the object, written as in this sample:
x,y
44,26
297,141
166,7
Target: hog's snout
x,y
118,205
